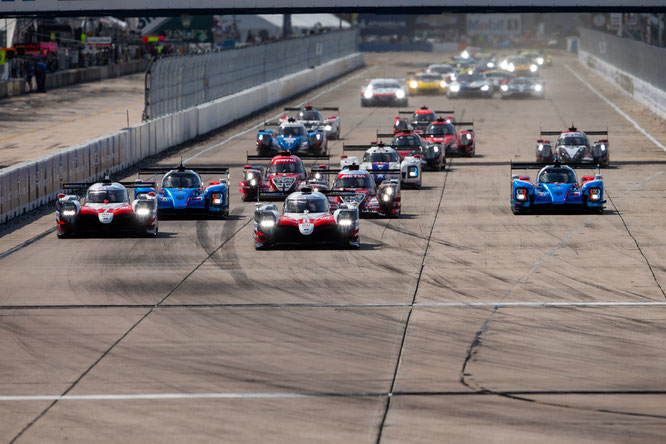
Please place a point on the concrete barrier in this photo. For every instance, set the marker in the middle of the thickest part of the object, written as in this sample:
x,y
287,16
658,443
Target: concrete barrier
x,y
643,92
26,186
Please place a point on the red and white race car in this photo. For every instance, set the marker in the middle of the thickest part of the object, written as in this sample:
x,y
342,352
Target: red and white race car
x,y
442,132
307,218
284,175
105,208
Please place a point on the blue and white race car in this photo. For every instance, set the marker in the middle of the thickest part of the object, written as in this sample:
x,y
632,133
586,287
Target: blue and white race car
x,y
384,162
292,136
555,187
183,192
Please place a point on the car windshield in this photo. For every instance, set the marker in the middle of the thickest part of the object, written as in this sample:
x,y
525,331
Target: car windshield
x,y
309,114
441,69
285,168
557,175
440,129
425,117
181,180
470,77
429,77
111,195
385,156
572,140
521,61
407,141
292,131
313,204
401,125
385,84
354,181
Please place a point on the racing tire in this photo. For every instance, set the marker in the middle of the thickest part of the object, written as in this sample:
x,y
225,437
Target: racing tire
x,y
63,234
599,210
150,233
517,211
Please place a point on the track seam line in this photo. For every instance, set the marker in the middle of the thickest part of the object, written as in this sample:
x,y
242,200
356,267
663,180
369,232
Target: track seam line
x,y
389,395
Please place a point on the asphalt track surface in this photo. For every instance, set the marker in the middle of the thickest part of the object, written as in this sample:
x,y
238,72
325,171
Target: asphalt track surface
x,y
458,322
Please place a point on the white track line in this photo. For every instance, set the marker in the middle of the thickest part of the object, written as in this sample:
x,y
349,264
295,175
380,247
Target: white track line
x,y
616,108
242,133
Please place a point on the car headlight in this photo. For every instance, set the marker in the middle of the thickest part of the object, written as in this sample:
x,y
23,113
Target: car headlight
x,y
533,68
413,172
388,190
485,88
603,147
318,136
504,87
595,194
267,223
469,136
249,176
521,194
453,77
413,84
216,199
261,137
454,88
464,54
537,88
367,94
540,60
490,65
345,222
435,148
68,212
143,212
442,83
253,182
511,67
400,94
328,128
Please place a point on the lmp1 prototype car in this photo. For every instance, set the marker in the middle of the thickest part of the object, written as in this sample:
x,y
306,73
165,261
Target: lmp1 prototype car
x,y
470,85
426,83
384,162
573,146
408,143
382,200
383,92
106,208
284,175
421,118
307,218
292,136
556,187
182,191
313,120
442,133
523,87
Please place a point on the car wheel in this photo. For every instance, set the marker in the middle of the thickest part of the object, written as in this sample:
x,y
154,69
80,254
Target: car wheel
x,y
517,211
63,234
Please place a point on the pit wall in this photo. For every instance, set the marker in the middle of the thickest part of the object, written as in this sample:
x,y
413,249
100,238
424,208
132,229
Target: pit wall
x,y
28,185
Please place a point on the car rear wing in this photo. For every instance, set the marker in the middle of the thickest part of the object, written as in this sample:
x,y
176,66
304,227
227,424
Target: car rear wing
x,y
436,111
589,133
339,170
86,185
537,166
385,135
285,153
454,123
322,108
346,147
207,169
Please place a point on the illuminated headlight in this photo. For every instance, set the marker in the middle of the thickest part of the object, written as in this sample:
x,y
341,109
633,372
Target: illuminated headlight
x,y
413,84
267,223
413,172
540,60
69,212
511,67
465,54
400,94
453,77
442,84
490,65
318,136
469,136
435,148
521,194
603,147
485,88
454,88
537,88
504,87
388,190
143,212
533,68
386,197
595,194
504,65
368,94
253,182
345,222
216,199
328,128
261,137
249,176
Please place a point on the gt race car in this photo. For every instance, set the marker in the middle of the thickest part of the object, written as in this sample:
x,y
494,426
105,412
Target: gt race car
x,y
470,85
312,118
370,199
284,175
384,162
106,207
291,136
519,65
523,87
383,92
573,146
556,187
426,83
442,133
183,192
307,219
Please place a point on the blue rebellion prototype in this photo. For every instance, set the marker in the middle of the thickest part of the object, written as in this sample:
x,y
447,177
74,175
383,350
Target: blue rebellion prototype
x,y
556,187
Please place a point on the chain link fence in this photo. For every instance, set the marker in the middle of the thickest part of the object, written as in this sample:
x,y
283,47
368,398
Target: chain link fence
x,y
631,56
177,83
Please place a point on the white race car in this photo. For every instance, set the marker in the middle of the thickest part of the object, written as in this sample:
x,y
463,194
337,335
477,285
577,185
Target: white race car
x,y
384,162
387,92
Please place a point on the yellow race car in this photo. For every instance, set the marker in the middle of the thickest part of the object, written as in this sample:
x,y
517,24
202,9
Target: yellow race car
x,y
541,58
426,83
519,65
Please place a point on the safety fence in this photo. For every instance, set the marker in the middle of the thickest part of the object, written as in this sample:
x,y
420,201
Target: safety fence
x,y
28,185
180,82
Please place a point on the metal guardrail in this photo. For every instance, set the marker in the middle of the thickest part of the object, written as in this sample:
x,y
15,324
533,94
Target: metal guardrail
x,y
180,82
639,59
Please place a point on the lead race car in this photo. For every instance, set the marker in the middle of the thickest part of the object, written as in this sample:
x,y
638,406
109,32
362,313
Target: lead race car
x,y
556,187
307,218
291,136
284,175
312,118
384,162
573,146
106,207
182,191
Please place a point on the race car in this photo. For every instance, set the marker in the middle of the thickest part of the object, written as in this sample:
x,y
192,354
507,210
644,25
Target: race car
x,y
539,57
556,187
421,118
284,175
523,87
520,65
307,218
383,92
426,83
401,124
106,207
384,162
409,144
182,191
291,136
313,120
442,133
471,52
470,85
446,70
369,198
573,146
498,78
